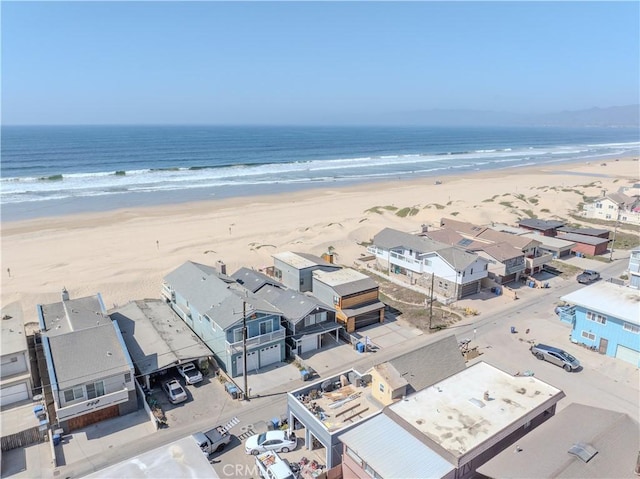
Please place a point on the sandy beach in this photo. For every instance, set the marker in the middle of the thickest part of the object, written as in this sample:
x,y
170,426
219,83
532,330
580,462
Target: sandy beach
x,y
124,254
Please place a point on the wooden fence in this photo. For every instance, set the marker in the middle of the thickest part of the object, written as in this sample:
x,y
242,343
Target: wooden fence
x,y
23,438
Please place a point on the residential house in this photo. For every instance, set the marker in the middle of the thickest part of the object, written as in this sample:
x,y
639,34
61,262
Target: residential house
x,y
157,339
295,270
586,244
555,246
216,307
634,269
595,232
354,295
450,272
580,441
614,207
91,375
309,322
15,367
542,227
506,263
605,317
449,429
416,370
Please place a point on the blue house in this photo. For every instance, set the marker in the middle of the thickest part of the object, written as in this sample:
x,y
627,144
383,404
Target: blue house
x,y
216,307
606,316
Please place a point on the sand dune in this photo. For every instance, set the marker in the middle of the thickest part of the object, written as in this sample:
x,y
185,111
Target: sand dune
x,y
125,254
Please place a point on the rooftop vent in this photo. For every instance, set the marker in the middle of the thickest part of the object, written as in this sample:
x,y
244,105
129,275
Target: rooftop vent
x,y
477,402
65,294
583,451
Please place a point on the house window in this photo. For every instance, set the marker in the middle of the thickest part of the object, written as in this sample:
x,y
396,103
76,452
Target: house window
x,y
127,377
486,267
631,327
381,387
312,319
369,470
471,270
352,454
596,318
301,281
427,262
588,335
598,205
266,327
237,335
336,300
95,390
73,394
608,217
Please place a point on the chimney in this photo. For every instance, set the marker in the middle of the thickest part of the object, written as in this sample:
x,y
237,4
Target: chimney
x,y
65,294
328,257
221,267
425,228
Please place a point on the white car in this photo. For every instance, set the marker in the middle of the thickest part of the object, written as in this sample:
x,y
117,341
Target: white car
x,y
279,441
190,373
175,392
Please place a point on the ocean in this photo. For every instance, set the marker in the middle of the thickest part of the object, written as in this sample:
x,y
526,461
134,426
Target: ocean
x,y
53,170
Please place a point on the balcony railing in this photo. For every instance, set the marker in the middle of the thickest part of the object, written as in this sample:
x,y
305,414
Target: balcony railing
x,y
237,347
538,260
84,407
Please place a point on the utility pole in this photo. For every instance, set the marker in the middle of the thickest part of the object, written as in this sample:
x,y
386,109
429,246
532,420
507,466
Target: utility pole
x,y
615,230
431,301
244,350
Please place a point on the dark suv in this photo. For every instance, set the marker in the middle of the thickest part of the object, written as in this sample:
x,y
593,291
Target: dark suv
x,y
556,356
588,276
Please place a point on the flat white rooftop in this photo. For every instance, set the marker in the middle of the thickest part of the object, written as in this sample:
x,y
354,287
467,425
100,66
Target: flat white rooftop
x,y
550,240
455,414
341,276
609,299
294,260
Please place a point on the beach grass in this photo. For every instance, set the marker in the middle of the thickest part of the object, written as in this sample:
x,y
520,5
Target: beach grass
x,y
407,211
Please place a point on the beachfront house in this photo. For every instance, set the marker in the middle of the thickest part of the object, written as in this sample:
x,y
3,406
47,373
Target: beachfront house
x,y
506,263
310,323
580,441
605,317
216,307
295,270
634,269
591,241
15,370
450,428
453,272
90,373
541,227
614,207
354,296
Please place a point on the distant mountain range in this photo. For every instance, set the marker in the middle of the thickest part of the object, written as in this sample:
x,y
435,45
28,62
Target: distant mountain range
x,y
615,116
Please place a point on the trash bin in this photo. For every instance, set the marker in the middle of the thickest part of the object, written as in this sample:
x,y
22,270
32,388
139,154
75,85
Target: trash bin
x,y
304,374
56,439
360,347
513,329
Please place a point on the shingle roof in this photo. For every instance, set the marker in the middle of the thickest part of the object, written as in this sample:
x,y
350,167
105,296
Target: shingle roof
x,y
540,224
502,251
583,231
543,452
462,226
87,355
253,280
431,363
517,241
294,305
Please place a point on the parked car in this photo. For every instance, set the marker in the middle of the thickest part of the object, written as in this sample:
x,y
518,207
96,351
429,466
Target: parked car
x,y
588,276
556,356
190,373
175,392
280,441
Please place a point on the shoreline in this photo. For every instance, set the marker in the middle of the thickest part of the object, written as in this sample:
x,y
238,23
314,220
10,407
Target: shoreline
x,y
125,253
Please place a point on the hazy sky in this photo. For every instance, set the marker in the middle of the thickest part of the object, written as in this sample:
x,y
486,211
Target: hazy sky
x,y
308,62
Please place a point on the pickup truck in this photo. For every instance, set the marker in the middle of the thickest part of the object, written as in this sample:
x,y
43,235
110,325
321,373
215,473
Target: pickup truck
x,y
213,440
271,466
588,276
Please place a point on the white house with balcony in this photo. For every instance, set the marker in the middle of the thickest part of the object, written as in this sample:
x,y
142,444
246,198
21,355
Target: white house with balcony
x,y
614,207
453,272
91,375
634,269
217,308
15,371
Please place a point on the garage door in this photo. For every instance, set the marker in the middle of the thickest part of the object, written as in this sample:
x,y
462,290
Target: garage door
x,y
12,394
269,355
469,289
367,319
309,343
252,363
628,355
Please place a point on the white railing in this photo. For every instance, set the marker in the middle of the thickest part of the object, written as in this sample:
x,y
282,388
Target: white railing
x,y
69,412
237,347
538,260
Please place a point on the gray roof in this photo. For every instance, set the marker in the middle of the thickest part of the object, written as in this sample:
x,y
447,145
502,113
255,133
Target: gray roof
x,y
294,305
431,363
73,315
14,339
543,452
155,336
584,239
456,257
88,355
218,296
540,224
253,280
584,231
502,251
392,451
367,308
609,299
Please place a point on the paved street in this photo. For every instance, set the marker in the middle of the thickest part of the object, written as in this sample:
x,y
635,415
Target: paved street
x,y
603,382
